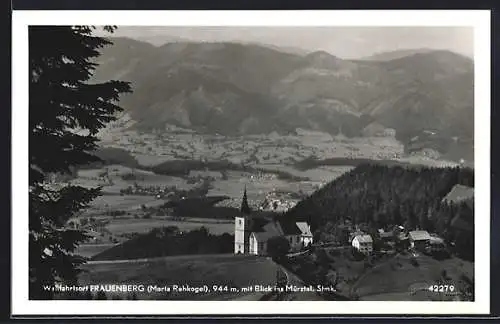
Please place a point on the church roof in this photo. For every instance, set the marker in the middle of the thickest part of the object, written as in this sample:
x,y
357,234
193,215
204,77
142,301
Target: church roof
x,y
264,236
290,228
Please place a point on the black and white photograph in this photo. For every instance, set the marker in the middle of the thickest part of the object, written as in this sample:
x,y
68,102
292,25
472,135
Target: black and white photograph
x,y
266,162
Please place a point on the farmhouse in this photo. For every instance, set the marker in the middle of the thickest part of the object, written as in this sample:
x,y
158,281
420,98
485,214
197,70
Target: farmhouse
x,y
419,239
386,236
355,233
306,236
436,245
253,230
363,243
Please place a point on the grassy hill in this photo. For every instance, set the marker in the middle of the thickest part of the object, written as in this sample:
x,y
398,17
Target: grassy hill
x,y
167,241
399,279
194,270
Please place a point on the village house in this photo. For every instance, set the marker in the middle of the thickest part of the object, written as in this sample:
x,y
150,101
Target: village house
x,y
363,243
386,236
356,232
436,245
253,230
306,237
400,237
419,239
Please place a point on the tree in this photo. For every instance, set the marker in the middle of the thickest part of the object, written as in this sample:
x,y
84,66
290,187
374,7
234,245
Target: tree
x,y
66,111
278,246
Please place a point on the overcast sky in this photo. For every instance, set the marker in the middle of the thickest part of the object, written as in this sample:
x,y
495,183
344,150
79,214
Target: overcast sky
x,y
344,42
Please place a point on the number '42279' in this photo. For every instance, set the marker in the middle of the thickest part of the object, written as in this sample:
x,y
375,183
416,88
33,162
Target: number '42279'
x,y
441,288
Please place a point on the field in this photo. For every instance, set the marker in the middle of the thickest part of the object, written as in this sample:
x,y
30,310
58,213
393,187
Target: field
x,y
272,160
399,279
127,202
114,181
335,261
151,159
89,250
231,270
271,152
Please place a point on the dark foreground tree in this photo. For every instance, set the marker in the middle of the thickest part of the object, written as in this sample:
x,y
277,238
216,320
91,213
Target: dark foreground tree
x,y
66,111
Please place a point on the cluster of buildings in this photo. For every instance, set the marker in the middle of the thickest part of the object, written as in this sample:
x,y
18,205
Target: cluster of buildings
x,y
253,230
276,204
158,191
419,240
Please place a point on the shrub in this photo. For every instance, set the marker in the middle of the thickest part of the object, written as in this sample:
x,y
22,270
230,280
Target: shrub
x,y
414,262
278,246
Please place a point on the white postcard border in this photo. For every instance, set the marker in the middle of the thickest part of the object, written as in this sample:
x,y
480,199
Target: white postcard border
x,y
478,19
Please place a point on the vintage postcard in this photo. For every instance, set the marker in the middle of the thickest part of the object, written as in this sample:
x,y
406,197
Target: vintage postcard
x,y
302,162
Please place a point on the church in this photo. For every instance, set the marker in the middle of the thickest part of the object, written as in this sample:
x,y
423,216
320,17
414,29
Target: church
x,y
252,230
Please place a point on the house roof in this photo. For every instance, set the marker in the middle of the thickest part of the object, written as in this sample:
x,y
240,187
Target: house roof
x,y
357,233
364,238
386,234
402,237
304,228
256,224
436,240
458,194
419,235
279,228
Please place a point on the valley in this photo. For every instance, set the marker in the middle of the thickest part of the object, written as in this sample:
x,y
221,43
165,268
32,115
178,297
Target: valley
x,y
286,168
239,90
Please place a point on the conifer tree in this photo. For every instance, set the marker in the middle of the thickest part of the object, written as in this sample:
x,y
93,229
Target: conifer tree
x,y
66,111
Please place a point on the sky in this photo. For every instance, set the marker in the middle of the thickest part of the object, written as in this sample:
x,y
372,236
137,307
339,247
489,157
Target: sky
x,y
344,42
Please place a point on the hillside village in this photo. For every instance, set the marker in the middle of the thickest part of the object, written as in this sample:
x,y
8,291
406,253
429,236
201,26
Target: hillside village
x,y
254,229
280,225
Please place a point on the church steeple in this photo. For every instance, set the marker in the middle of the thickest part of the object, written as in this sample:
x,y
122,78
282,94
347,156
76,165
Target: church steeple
x,y
245,208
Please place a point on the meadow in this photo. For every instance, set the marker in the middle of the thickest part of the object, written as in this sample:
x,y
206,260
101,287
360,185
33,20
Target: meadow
x,y
89,250
402,279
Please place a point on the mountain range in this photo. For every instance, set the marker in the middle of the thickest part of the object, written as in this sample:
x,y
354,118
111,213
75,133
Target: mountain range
x,y
233,88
